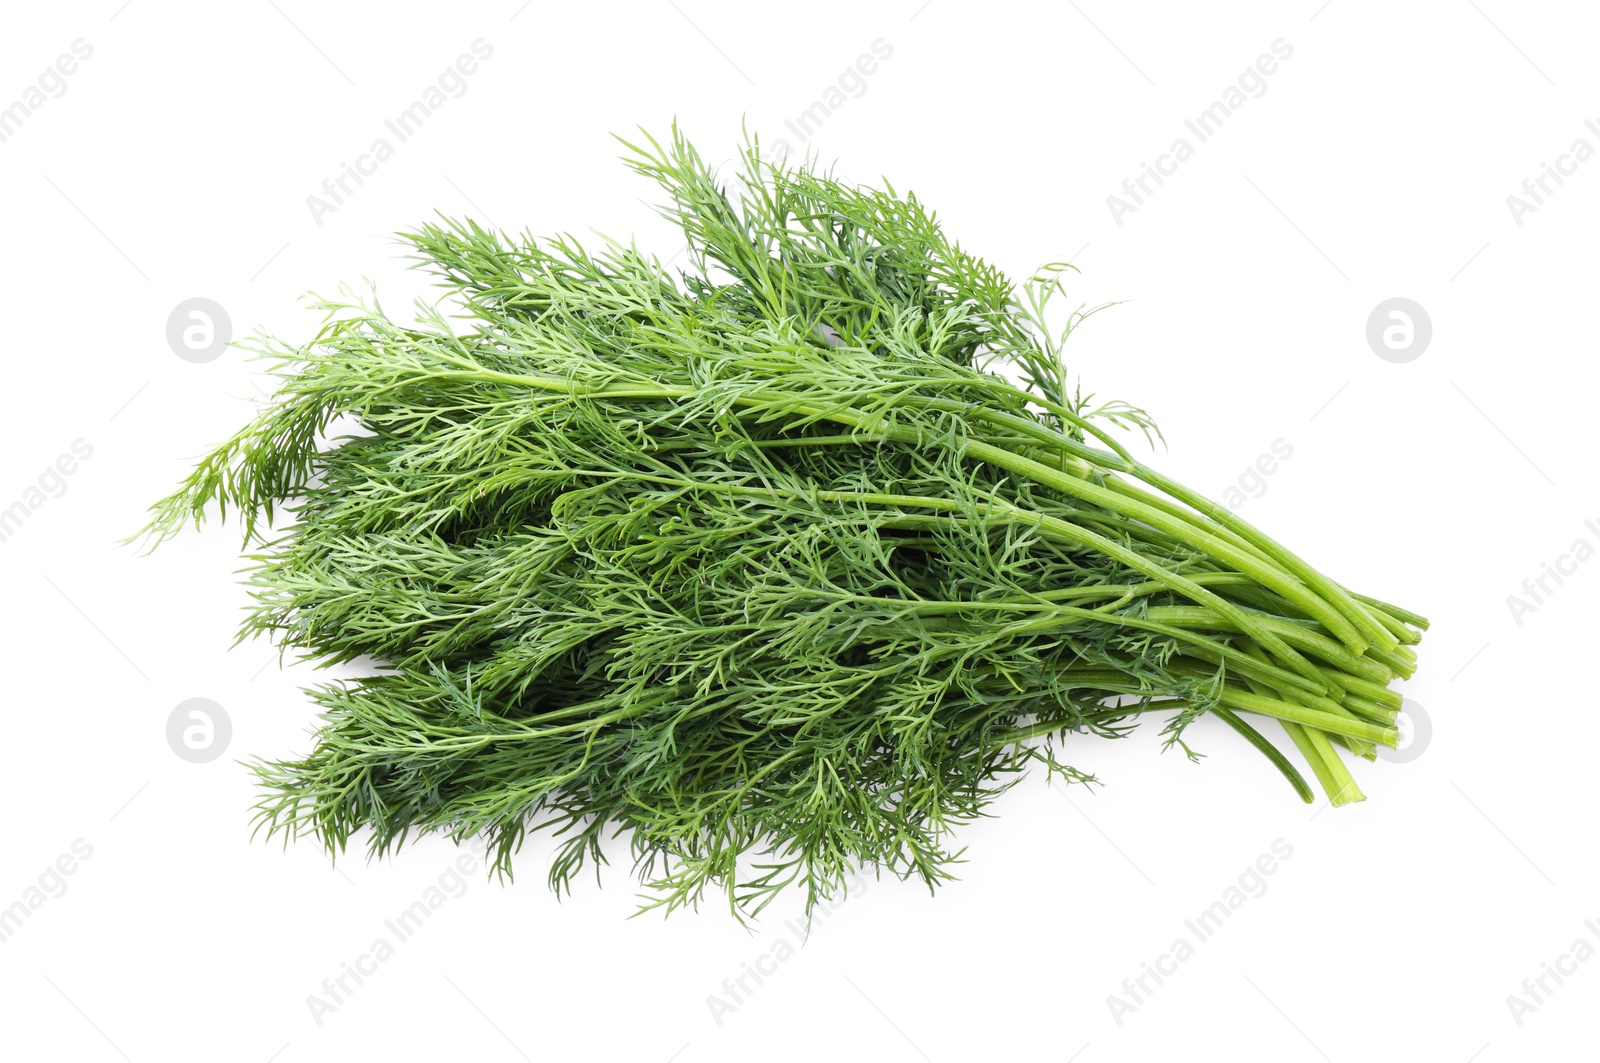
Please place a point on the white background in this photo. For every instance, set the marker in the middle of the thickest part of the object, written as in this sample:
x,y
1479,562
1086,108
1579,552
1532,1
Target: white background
x,y
1378,163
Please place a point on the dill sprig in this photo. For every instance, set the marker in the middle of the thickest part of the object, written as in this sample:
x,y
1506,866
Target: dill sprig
x,y
769,565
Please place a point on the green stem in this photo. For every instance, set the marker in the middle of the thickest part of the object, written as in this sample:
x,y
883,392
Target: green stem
x,y
1255,738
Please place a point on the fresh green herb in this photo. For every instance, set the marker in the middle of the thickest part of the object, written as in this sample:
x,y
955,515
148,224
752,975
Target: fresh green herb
x,y
764,565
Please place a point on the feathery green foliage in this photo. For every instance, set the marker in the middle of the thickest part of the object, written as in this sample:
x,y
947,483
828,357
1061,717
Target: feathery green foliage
x,y
766,565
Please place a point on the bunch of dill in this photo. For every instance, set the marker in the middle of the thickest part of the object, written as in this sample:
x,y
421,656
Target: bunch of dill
x,y
763,565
